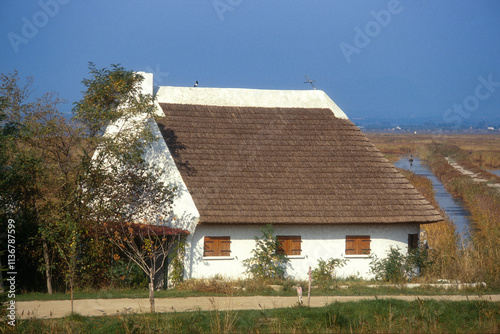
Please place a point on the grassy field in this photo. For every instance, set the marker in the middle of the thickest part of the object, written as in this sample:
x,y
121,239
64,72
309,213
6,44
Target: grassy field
x,y
380,316
483,149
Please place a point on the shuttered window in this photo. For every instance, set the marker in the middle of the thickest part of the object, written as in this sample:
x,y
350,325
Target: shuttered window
x,y
217,246
290,245
412,241
357,245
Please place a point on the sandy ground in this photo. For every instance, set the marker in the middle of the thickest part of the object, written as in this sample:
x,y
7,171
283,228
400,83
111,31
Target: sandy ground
x,y
99,307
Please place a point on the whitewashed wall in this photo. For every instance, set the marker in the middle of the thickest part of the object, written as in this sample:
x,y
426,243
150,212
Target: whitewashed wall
x,y
318,241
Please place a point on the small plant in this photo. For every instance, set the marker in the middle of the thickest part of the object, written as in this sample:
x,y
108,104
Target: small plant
x,y
266,261
324,273
177,272
398,267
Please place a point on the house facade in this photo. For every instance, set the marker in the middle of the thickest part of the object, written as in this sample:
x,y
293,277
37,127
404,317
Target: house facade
x,y
245,158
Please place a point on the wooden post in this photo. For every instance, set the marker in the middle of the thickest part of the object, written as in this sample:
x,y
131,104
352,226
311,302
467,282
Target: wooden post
x,y
309,289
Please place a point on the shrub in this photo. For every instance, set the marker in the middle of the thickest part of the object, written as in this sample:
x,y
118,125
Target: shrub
x,y
325,272
398,267
127,274
266,261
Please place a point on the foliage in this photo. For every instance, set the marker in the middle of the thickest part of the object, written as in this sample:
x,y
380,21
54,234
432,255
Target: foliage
x,y
325,271
398,267
23,174
176,273
127,274
62,178
266,262
123,193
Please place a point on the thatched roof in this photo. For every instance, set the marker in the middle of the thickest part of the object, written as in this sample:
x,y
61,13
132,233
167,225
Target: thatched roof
x,y
286,166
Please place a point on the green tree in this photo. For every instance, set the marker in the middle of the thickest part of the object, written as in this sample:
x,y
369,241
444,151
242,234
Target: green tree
x,y
22,173
71,176
266,262
119,190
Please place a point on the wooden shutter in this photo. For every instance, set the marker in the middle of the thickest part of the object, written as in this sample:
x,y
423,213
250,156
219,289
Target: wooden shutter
x,y
364,245
295,245
217,246
357,244
290,245
209,247
350,245
224,246
282,246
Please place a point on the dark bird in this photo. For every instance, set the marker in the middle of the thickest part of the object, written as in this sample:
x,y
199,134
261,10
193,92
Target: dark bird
x,y
196,84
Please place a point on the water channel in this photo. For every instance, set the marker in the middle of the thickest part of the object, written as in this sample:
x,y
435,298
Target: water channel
x,y
453,207
494,171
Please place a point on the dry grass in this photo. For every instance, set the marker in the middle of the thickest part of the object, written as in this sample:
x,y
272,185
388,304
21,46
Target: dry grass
x,y
482,149
441,236
217,285
477,260
222,321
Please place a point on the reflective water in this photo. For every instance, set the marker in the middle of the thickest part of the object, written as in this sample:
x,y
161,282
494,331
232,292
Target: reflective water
x,y
453,207
495,171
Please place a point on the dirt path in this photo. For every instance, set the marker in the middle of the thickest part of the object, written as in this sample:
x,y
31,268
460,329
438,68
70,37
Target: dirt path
x,y
99,307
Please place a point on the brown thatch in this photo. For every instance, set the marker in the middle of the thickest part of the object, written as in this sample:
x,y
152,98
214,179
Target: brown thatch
x,y
286,166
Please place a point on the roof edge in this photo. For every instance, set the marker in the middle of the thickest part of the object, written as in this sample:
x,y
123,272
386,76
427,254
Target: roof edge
x,y
245,97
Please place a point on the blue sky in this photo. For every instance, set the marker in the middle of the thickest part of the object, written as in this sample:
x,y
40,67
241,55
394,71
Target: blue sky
x,y
376,59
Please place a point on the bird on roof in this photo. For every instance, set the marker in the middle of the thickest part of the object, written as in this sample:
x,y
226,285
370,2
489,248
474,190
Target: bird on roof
x,y
196,84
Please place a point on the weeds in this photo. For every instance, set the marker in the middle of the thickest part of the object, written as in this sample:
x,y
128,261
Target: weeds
x,y
222,322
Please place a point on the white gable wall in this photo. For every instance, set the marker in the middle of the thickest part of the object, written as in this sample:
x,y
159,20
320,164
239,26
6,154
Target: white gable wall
x,y
239,97
184,210
318,241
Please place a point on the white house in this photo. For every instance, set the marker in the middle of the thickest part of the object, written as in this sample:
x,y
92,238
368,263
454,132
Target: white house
x,y
244,158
